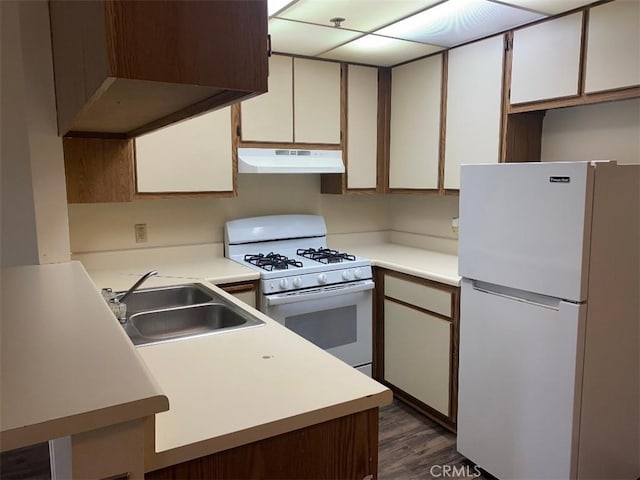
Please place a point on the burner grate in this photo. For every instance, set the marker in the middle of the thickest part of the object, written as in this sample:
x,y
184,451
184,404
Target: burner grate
x,y
325,255
271,261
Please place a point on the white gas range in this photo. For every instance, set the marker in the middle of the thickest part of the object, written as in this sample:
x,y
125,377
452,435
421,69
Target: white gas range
x,y
321,294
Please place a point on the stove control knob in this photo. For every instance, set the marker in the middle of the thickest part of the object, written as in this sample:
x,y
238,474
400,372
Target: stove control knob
x,y
297,282
272,286
346,274
357,273
322,278
283,283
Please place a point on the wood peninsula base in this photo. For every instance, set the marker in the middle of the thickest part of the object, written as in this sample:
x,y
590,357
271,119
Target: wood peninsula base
x,y
345,448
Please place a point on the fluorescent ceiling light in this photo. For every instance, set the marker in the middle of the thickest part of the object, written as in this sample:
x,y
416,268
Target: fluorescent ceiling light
x,y
274,6
382,51
308,39
458,21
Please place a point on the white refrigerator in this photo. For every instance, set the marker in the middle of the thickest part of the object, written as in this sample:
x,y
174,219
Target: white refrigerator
x,y
549,320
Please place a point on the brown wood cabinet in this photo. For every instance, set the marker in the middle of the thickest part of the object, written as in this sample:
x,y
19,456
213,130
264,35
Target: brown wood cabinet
x,y
416,343
345,448
245,291
123,68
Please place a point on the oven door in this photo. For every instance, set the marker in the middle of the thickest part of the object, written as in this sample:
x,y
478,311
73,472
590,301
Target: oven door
x,y
337,318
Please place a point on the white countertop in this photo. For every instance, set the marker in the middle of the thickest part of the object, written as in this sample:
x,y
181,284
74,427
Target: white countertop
x,y
234,388
436,266
264,381
66,364
187,262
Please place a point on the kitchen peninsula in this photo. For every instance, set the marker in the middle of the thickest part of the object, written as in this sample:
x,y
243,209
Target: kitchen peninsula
x,y
232,397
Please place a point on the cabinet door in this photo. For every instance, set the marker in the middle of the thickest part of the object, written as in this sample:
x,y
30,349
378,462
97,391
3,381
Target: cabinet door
x,y
415,124
613,46
417,354
269,117
191,156
546,59
316,87
362,128
474,100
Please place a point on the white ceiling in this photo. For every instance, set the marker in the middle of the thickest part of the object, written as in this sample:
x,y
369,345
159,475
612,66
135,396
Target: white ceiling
x,y
388,32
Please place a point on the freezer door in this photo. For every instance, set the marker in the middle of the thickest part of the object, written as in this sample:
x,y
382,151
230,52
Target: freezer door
x,y
519,382
526,226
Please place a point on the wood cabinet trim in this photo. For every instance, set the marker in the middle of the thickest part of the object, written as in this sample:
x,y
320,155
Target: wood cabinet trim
x,y
506,93
625,93
443,121
378,344
384,129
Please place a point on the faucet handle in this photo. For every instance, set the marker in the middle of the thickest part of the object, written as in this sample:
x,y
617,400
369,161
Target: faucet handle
x,y
119,310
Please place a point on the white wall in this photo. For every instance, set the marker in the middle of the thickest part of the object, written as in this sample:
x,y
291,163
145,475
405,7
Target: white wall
x,y
34,218
607,131
19,243
100,227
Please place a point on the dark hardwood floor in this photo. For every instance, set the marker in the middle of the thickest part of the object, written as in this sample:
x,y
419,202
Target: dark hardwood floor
x,y
412,447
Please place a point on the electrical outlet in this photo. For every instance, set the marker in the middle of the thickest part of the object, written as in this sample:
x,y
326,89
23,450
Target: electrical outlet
x,y
454,224
141,232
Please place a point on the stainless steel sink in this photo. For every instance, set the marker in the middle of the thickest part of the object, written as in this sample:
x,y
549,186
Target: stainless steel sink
x,y
164,314
156,298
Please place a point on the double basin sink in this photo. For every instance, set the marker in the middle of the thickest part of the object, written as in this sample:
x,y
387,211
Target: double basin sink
x,y
164,314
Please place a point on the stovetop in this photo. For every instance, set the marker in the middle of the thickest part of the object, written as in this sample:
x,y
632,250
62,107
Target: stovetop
x,y
291,253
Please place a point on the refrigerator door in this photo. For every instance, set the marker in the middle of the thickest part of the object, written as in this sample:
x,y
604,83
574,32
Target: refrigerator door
x,y
519,382
527,226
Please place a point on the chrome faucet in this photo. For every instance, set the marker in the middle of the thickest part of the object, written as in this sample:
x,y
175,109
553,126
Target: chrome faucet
x,y
135,286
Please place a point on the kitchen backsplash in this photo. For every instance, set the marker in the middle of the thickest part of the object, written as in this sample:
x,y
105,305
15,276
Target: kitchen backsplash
x,y
99,227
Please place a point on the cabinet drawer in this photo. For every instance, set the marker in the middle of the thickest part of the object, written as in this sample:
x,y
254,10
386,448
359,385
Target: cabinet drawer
x,y
417,354
423,296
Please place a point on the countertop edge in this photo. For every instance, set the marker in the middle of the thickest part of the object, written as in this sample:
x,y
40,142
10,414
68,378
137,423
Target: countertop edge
x,y
83,422
257,433
454,282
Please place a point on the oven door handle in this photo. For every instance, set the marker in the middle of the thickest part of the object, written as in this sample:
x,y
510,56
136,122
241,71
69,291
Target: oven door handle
x,y
315,294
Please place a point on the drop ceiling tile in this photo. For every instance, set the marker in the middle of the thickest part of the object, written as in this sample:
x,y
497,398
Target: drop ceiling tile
x,y
380,51
458,21
305,39
550,7
361,15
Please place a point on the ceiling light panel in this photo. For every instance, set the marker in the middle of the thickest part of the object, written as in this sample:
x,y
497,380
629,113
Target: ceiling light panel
x,y
549,7
380,51
361,15
273,6
458,21
306,39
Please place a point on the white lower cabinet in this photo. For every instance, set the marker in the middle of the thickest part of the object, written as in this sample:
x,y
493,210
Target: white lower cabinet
x,y
417,342
416,354
190,156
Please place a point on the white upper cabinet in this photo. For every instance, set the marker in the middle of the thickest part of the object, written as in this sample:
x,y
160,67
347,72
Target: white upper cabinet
x,y
269,117
362,126
546,60
415,124
316,87
474,99
190,156
301,89
613,46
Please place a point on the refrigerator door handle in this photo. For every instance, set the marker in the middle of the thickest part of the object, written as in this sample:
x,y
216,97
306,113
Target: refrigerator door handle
x,y
531,298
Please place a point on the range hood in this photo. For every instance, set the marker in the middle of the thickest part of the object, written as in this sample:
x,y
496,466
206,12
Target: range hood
x,y
279,160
